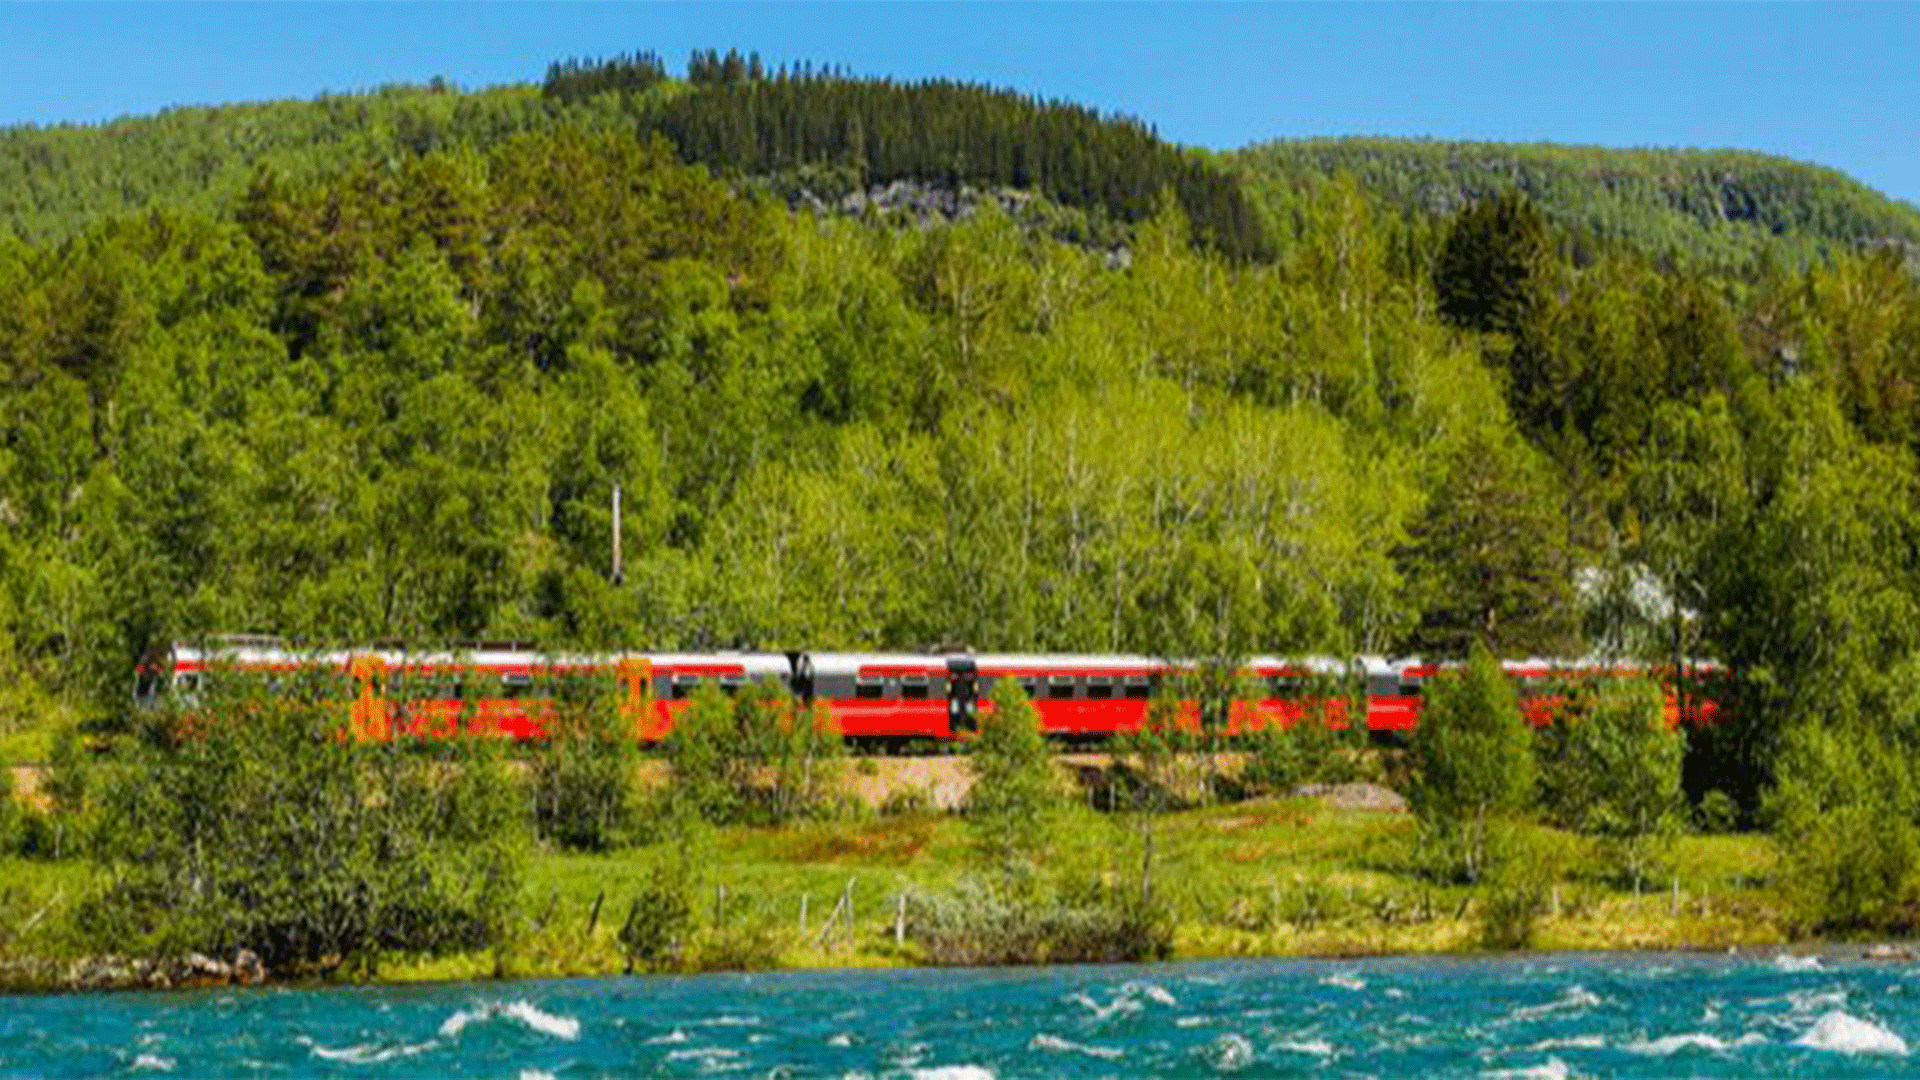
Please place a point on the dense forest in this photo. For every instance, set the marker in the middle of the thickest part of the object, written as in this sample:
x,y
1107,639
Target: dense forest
x,y
1716,209
384,389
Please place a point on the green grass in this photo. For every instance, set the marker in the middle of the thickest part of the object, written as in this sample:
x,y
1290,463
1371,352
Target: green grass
x,y
1264,878
1281,877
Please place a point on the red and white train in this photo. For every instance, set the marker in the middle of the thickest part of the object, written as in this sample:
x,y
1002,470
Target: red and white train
x,y
873,696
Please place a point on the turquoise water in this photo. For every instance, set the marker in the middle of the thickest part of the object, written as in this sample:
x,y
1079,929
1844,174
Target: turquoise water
x,y
1553,1016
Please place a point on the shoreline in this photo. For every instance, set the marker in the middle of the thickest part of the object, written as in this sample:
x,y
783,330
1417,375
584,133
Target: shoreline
x,y
1814,953
1304,877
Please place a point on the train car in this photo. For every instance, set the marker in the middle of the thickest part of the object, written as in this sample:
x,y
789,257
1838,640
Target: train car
x,y
1076,696
488,690
888,696
1544,687
672,679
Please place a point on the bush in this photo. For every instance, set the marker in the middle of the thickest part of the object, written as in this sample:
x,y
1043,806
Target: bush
x,y
1717,812
752,757
1016,788
1511,904
655,933
585,783
1612,767
1844,812
268,829
1473,765
1311,749
980,925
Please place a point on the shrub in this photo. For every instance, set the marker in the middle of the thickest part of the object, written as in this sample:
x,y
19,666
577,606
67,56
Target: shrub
x,y
1312,749
978,925
268,829
753,757
1511,904
1844,819
1611,767
1473,765
1015,785
585,784
655,933
1717,812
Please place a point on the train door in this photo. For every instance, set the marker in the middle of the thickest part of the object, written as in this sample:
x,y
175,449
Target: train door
x,y
635,676
963,696
368,714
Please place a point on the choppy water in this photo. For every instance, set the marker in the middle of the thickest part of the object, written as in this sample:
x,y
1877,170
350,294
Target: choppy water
x,y
1540,1017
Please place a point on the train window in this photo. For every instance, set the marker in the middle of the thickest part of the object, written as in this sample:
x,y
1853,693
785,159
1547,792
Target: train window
x,y
913,687
1409,688
1282,686
1030,687
515,686
683,686
869,687
187,682
732,683
1139,688
443,690
1060,686
1099,687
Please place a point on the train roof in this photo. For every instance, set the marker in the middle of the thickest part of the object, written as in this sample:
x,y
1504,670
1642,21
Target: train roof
x,y
256,654
877,663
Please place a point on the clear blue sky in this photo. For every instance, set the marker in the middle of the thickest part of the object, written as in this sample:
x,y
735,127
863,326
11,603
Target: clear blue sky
x,y
1831,83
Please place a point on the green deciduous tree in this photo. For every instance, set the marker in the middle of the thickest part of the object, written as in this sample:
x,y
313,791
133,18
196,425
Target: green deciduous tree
x,y
1611,771
1473,767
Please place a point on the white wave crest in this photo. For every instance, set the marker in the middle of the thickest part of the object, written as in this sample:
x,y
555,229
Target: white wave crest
x,y
727,1020
1845,1034
153,1062
371,1053
536,1074
1043,1041
1230,1053
1316,1047
560,1027
1345,981
1668,1045
1151,991
1790,962
705,1053
842,1039
669,1039
1120,1006
1552,1069
1574,1042
1571,999
1396,992
953,1072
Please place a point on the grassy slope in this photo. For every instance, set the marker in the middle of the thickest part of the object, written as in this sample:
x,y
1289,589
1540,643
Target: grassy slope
x,y
1272,877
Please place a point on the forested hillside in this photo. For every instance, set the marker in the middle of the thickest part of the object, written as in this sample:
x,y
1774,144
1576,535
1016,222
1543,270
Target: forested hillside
x,y
1718,209
818,132
384,389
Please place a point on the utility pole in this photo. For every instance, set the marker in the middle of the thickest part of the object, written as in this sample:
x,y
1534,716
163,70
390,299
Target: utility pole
x,y
619,571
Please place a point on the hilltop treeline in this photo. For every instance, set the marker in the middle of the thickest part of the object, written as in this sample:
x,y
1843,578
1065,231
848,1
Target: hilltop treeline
x,y
747,119
816,128
1713,209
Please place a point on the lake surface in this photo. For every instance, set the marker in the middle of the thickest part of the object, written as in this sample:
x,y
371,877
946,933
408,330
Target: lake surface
x,y
1542,1016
